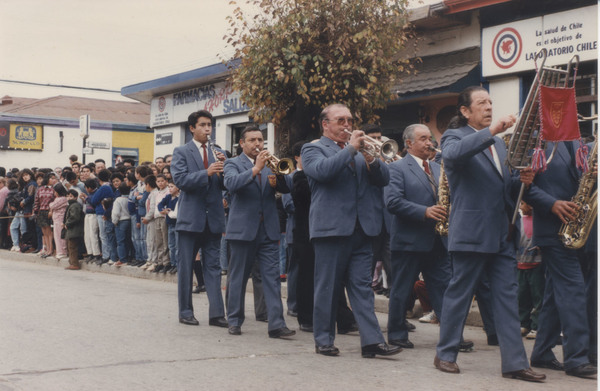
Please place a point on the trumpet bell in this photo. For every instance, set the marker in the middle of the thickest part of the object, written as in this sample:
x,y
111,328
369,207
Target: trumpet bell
x,y
285,166
389,149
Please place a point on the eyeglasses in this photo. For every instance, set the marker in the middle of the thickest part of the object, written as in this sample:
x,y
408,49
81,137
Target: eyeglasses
x,y
341,120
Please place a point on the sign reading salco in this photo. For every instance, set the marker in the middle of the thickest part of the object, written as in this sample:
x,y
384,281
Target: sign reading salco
x,y
512,47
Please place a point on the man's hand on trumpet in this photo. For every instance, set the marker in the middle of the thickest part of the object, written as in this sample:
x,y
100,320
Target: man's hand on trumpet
x,y
260,162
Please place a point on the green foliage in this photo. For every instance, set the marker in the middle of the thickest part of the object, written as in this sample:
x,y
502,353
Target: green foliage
x,y
317,52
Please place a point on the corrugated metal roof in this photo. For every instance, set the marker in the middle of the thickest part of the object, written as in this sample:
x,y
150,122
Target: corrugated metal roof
x,y
74,107
439,71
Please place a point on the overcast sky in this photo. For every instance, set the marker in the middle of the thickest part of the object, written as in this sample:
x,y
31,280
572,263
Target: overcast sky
x,y
107,44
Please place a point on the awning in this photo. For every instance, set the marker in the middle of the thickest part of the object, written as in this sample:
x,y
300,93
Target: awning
x,y
443,73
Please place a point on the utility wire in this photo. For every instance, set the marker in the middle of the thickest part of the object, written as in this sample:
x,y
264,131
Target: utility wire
x,y
58,85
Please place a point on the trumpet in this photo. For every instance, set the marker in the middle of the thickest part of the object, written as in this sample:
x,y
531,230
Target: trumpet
x,y
387,150
279,166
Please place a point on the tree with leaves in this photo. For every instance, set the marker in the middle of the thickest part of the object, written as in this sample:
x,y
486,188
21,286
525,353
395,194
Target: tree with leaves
x,y
297,56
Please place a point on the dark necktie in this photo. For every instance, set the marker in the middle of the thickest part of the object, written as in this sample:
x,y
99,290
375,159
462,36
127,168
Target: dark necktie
x,y
341,145
429,176
205,156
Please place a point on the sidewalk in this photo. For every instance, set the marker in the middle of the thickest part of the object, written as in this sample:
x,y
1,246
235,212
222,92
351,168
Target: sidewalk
x,y
381,302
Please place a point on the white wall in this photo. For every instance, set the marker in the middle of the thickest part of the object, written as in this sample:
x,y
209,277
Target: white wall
x,y
505,97
50,156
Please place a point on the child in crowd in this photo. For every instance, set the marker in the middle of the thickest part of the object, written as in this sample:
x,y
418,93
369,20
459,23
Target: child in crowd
x,y
57,210
149,221
107,238
41,207
530,275
162,234
165,207
13,202
139,230
122,221
91,231
74,224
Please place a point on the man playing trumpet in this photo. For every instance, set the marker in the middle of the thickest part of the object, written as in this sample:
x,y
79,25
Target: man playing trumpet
x,y
345,214
253,231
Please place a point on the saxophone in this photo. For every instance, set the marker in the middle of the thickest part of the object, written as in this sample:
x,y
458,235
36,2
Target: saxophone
x,y
441,227
575,233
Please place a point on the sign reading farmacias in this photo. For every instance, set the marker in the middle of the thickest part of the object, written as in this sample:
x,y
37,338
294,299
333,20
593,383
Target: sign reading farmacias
x,y
512,47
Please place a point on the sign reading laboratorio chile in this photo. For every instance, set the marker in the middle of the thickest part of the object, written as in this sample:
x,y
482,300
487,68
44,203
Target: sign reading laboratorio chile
x,y
218,99
512,47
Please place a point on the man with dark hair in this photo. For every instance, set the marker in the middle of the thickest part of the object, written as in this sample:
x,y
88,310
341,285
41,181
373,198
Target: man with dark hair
x,y
253,231
168,159
160,163
129,162
75,166
73,159
199,177
483,193
100,165
345,214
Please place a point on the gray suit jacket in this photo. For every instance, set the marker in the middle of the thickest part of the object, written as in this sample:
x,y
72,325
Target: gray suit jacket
x,y
407,197
482,198
344,190
201,200
251,201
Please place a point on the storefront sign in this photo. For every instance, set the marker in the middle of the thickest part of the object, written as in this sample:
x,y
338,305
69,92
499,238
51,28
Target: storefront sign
x,y
25,136
512,47
164,138
98,144
218,99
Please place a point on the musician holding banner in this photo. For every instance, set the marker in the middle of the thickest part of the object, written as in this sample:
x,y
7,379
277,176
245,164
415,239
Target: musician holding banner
x,y
482,195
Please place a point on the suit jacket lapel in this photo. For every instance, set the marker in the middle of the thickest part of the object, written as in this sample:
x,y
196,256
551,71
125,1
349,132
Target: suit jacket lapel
x,y
247,164
195,154
419,173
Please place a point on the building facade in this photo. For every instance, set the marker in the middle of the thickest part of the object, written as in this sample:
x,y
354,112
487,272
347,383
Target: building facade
x,y
45,132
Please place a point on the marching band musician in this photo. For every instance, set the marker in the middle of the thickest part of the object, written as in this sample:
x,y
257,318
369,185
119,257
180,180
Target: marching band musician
x,y
482,200
411,197
201,219
345,214
253,231
564,306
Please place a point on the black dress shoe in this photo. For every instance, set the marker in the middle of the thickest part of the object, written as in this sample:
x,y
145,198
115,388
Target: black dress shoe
x,y
262,319
552,364
199,288
282,332
492,340
158,268
235,330
219,322
306,327
351,328
190,320
525,374
381,349
587,371
466,346
403,343
328,350
173,270
409,326
166,268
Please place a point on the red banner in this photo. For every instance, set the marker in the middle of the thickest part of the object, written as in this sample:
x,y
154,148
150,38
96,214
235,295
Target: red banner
x,y
559,114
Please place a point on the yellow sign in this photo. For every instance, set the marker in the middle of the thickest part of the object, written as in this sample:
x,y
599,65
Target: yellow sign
x,y
24,136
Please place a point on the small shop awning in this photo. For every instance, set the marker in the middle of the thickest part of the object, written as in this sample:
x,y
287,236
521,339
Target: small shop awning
x,y
443,73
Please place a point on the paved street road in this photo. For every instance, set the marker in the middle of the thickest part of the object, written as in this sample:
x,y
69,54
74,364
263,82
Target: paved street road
x,y
65,330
